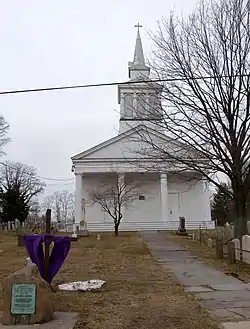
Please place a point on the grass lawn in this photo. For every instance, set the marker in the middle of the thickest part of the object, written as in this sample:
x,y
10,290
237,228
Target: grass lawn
x,y
208,256
138,293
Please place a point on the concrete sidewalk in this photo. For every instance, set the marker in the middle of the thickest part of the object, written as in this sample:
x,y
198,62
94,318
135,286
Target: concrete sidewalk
x,y
226,298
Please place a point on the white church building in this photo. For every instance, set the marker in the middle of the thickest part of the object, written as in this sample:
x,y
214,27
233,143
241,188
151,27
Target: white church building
x,y
163,196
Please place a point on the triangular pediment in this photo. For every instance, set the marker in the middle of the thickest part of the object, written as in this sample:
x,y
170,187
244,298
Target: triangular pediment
x,y
128,145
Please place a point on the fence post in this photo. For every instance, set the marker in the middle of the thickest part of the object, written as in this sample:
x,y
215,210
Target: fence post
x,y
231,252
199,235
219,249
202,239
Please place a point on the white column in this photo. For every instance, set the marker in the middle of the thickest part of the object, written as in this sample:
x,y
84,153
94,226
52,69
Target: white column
x,y
78,198
164,197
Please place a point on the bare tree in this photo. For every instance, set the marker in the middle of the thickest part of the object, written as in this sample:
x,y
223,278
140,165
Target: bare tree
x,y
61,203
113,196
18,176
34,216
57,206
67,204
47,203
203,62
19,186
71,209
4,139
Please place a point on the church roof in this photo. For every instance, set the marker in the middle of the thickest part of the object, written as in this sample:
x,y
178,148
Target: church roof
x,y
138,129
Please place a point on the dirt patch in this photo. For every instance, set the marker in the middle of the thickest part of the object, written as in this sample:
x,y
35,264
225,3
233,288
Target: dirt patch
x,y
138,294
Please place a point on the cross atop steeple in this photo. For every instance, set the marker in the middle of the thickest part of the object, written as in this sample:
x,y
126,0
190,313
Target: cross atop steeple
x,y
138,54
138,68
138,26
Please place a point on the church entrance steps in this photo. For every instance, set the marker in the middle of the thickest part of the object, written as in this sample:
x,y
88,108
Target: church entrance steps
x,y
137,226
127,226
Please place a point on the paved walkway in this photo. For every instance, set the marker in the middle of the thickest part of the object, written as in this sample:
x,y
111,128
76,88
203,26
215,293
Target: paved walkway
x,y
226,298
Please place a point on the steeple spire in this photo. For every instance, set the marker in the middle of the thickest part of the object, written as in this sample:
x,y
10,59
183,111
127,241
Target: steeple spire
x,y
138,69
138,54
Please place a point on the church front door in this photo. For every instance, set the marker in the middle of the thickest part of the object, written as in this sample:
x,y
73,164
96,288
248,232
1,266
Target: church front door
x,y
173,210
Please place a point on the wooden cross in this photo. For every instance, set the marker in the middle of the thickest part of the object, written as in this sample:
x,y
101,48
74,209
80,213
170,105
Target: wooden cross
x,y
138,26
47,246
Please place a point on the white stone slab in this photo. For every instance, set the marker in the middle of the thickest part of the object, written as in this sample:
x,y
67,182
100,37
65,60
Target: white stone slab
x,y
62,320
237,325
196,289
82,285
230,287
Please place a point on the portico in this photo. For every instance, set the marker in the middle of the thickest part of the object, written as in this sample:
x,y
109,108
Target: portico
x,y
150,205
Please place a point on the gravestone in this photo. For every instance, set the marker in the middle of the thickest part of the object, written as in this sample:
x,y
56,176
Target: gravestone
x,y
182,229
231,252
20,240
237,248
210,243
246,249
81,229
27,298
74,236
219,248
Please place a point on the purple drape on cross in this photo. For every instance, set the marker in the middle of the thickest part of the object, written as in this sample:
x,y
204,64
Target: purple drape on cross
x,y
34,247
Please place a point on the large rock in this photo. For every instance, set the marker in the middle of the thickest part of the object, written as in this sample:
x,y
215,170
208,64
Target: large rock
x,y
44,298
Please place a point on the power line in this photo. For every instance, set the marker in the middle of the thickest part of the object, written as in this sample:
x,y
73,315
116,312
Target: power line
x,y
74,87
60,183
70,87
57,179
22,91
41,177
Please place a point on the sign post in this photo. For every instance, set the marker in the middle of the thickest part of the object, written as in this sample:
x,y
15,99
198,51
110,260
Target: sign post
x,y
47,246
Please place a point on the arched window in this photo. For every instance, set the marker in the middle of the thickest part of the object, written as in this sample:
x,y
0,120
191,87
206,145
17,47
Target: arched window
x,y
128,105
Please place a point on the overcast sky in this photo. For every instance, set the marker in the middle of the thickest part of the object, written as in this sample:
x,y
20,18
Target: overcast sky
x,y
62,42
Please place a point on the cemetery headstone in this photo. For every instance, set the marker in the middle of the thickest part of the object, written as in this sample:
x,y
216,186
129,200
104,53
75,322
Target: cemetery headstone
x,y
27,298
209,242
219,249
20,240
246,249
231,252
74,236
182,229
237,248
82,230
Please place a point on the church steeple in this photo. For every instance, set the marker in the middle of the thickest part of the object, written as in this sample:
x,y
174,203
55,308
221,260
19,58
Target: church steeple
x,y
138,54
137,69
139,100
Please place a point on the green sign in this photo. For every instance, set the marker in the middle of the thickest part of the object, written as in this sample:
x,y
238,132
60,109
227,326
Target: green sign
x,y
23,299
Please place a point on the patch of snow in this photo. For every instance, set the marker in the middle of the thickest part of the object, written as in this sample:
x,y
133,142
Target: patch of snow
x,y
82,285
